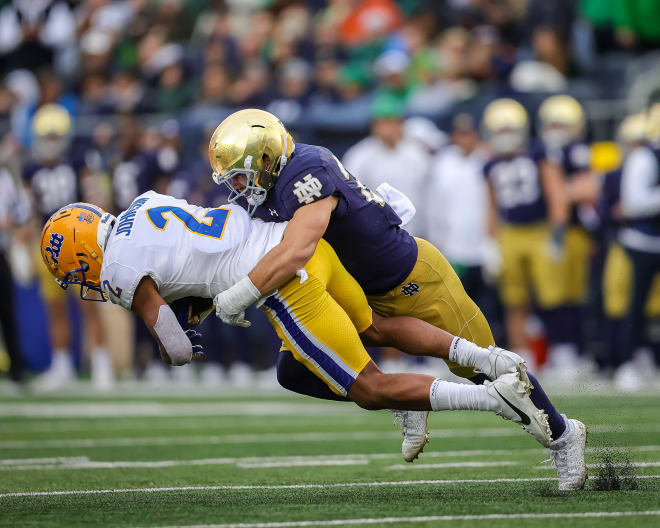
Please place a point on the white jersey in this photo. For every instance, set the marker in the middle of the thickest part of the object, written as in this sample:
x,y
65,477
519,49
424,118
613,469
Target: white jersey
x,y
187,250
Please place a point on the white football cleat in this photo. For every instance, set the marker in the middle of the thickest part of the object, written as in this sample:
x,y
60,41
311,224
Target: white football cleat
x,y
515,405
567,454
415,432
501,361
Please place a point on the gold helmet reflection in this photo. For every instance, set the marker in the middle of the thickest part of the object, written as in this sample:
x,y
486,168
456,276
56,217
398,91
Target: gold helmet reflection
x,y
51,128
253,143
632,130
653,123
505,126
561,121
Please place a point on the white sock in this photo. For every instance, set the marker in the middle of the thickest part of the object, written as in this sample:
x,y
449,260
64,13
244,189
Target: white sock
x,y
447,396
466,353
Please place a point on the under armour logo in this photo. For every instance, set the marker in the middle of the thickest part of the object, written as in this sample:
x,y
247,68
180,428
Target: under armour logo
x,y
410,289
55,247
307,189
272,212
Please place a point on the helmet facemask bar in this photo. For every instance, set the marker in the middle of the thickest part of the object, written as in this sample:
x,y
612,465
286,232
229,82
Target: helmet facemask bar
x,y
77,276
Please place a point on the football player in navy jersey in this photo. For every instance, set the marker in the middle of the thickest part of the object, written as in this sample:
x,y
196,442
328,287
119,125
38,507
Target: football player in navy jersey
x,y
640,235
54,181
528,217
562,128
306,185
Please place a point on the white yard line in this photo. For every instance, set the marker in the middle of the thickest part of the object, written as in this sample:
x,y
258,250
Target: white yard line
x,y
27,464
302,463
284,486
121,409
454,465
428,518
615,464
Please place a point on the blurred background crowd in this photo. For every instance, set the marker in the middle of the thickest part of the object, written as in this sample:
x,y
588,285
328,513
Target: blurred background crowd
x,y
101,100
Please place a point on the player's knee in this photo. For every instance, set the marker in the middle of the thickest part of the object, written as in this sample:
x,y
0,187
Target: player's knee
x,y
367,392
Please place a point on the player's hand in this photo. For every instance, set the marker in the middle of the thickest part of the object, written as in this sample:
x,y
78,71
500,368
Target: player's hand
x,y
191,310
197,348
556,243
237,319
491,259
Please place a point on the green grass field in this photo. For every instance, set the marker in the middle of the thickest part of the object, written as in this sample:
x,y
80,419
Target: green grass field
x,y
276,460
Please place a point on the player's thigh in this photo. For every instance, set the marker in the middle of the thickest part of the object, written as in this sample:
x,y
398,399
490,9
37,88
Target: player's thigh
x,y
318,332
513,281
434,293
578,249
345,290
548,275
652,309
617,278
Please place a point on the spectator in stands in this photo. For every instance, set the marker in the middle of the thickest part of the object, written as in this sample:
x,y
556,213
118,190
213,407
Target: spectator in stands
x,y
457,202
386,156
15,212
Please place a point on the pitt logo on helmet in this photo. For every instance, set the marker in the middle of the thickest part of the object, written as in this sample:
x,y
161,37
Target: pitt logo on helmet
x,y
54,249
72,243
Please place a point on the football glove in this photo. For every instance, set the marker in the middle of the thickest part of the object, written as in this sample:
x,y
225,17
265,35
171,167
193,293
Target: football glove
x,y
197,348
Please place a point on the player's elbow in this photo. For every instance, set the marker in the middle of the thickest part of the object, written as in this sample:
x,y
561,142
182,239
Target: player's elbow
x,y
300,255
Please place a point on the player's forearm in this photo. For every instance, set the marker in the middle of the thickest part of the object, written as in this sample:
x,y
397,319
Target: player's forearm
x,y
279,266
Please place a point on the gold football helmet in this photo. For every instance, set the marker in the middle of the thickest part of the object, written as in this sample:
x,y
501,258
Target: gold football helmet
x,y
253,144
632,130
561,121
505,126
653,123
51,128
72,243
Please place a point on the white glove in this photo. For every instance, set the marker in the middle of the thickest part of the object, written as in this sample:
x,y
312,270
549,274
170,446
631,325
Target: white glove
x,y
492,259
230,305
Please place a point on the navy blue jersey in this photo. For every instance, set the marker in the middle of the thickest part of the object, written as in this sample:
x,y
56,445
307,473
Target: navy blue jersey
x,y
516,183
364,231
54,186
609,197
573,158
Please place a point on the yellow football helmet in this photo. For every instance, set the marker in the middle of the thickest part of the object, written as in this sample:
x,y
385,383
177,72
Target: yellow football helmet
x,y
241,144
72,243
561,121
505,126
51,128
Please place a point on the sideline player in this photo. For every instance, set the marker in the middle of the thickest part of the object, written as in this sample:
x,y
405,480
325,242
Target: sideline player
x,y
255,156
162,249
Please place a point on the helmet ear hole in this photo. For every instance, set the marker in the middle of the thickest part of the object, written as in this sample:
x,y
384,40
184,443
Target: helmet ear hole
x,y
84,265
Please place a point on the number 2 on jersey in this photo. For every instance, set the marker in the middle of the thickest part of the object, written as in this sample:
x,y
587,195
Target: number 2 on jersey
x,y
212,225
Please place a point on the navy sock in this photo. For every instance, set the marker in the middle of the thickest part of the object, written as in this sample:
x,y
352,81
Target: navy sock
x,y
541,400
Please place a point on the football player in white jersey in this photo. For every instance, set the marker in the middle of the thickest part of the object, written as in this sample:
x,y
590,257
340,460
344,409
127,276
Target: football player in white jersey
x,y
162,249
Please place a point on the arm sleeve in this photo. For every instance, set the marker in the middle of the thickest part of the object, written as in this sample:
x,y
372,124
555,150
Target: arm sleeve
x,y
174,340
640,192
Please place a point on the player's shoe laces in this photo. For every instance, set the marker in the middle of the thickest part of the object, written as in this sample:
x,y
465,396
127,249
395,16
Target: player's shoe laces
x,y
515,405
415,432
501,361
567,454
